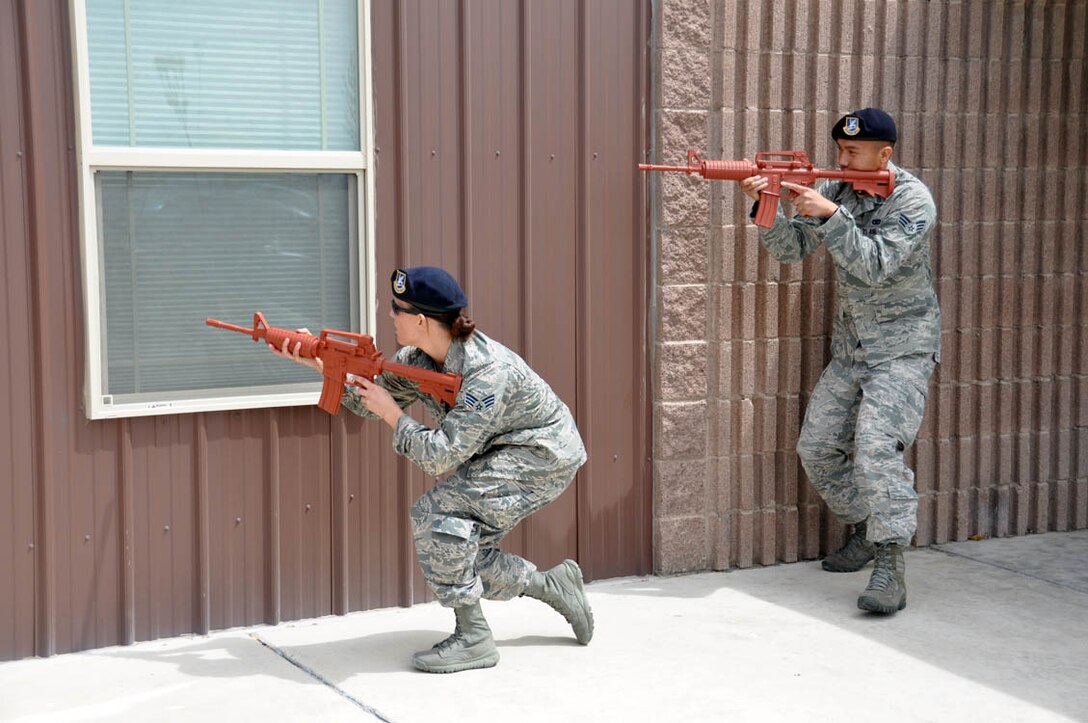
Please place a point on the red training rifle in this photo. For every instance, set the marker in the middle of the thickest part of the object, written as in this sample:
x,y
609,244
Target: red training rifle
x,y
776,167
343,353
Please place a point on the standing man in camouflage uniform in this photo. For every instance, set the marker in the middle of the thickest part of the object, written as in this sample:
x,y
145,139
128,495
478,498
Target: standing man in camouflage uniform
x,y
512,446
867,406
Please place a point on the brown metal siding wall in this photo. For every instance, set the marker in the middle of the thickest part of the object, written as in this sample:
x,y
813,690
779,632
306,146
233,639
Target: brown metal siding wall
x,y
17,488
486,122
65,512
505,141
506,132
992,106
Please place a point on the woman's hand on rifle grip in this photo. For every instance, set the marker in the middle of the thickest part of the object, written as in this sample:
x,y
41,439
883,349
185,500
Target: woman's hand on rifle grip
x,y
378,401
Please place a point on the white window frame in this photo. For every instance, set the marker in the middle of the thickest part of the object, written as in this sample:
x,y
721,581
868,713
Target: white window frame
x,y
92,159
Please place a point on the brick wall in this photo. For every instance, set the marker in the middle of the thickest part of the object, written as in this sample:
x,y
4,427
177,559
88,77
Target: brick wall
x,y
992,106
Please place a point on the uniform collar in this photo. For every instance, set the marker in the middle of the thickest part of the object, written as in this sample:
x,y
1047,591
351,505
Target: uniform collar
x,y
455,357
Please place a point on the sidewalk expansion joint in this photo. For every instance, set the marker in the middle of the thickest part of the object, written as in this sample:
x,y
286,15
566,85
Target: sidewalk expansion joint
x,y
320,678
1013,570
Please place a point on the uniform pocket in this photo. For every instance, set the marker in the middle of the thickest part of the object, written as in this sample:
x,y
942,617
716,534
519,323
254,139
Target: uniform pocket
x,y
457,527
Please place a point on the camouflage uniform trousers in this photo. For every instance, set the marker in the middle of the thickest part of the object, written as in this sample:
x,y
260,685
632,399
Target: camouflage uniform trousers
x,y
458,524
873,413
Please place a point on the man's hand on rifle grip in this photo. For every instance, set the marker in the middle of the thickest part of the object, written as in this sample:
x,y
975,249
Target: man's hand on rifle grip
x,y
752,185
810,202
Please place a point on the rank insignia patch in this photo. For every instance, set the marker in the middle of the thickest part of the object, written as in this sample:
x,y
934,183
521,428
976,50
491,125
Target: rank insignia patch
x,y
480,405
911,228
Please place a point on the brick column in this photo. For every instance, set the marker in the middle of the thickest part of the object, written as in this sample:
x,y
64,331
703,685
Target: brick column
x,y
990,102
685,473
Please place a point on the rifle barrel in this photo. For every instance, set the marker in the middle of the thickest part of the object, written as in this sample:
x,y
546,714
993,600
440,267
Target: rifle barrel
x,y
225,325
652,167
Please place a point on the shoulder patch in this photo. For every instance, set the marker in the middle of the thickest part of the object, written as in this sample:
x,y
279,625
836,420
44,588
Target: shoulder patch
x,y
477,404
911,228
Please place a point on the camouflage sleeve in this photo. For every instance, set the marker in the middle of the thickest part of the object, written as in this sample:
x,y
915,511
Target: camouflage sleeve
x,y
876,256
792,239
465,430
404,391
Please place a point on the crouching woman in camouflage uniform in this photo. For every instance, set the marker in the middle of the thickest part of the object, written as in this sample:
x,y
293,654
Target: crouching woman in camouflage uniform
x,y
512,446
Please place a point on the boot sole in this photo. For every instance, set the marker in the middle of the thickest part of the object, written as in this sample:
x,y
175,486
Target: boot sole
x,y
577,575
873,605
487,661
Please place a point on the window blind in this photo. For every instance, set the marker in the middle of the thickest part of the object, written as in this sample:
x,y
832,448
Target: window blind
x,y
247,74
181,247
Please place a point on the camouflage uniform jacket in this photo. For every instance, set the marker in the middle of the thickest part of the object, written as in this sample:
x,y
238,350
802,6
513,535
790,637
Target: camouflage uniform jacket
x,y
884,285
507,421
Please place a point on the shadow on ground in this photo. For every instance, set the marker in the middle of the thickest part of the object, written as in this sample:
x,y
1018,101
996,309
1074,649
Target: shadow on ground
x,y
1011,614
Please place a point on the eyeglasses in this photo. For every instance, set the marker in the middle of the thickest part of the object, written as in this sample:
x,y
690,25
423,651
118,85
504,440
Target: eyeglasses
x,y
398,309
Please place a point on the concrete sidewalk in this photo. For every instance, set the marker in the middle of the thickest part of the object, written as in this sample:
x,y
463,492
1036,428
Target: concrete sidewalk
x,y
994,630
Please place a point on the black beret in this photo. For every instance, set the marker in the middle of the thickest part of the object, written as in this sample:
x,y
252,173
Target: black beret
x,y
429,289
867,124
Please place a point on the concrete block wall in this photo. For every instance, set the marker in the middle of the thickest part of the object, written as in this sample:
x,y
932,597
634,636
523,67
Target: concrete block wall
x,y
992,105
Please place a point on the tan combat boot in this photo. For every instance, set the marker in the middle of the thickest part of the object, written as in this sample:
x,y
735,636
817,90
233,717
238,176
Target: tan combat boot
x,y
471,645
853,555
562,589
887,591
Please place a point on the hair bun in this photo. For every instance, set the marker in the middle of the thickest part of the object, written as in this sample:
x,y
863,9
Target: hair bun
x,y
462,327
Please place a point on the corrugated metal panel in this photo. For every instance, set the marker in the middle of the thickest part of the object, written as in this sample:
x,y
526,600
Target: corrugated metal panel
x,y
17,487
612,269
504,151
496,160
62,560
990,99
